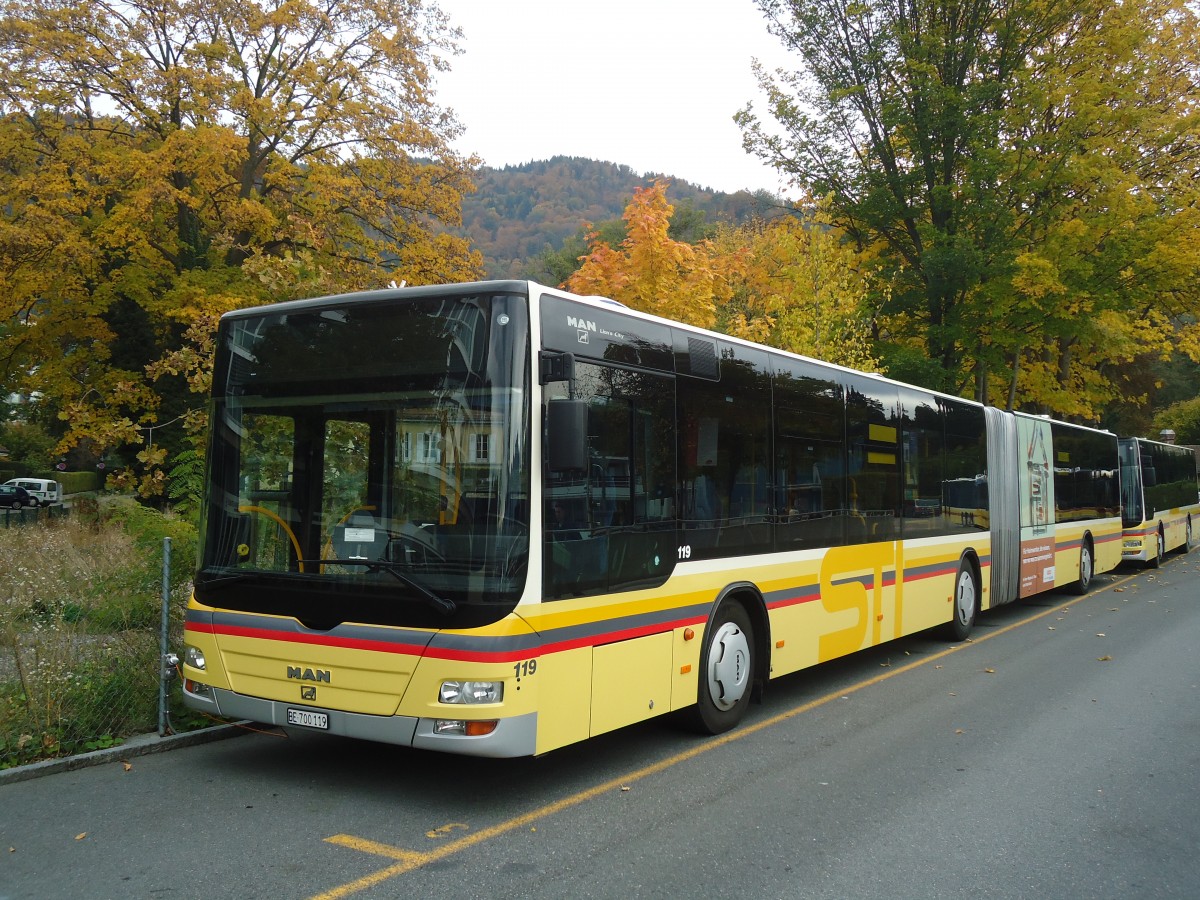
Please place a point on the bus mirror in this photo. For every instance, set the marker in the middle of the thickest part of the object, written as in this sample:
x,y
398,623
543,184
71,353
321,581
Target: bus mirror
x,y
557,367
566,435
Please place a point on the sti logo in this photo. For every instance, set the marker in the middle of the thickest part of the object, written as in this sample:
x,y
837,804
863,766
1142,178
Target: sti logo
x,y
582,328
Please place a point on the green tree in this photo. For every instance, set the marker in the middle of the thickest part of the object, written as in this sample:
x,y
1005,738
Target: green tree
x,y
556,266
30,447
167,160
1026,169
1183,418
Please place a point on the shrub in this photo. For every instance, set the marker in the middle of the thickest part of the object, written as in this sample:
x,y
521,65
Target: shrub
x,y
80,608
76,482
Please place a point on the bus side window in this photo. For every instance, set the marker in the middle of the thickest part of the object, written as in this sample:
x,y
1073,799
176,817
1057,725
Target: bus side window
x,y
605,523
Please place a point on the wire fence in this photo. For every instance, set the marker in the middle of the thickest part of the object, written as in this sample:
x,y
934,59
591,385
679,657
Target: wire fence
x,y
89,606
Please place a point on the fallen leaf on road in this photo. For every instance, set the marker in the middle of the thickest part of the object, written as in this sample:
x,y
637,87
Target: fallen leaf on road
x,y
81,836
990,671
1103,658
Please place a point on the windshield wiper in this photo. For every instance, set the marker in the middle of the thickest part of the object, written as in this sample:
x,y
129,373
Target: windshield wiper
x,y
441,604
223,581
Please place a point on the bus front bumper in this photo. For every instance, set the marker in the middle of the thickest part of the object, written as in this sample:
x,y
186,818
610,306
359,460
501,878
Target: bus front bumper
x,y
515,736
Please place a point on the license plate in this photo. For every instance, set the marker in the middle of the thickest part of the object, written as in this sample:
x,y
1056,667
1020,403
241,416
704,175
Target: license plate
x,y
308,718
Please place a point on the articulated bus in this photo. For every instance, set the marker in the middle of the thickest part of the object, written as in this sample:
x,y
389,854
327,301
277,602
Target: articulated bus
x,y
1159,498
496,518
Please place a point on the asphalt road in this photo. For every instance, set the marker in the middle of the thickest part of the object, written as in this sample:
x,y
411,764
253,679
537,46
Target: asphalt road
x,y
1057,755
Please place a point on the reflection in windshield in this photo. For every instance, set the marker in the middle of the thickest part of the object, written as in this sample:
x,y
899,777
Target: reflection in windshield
x,y
378,448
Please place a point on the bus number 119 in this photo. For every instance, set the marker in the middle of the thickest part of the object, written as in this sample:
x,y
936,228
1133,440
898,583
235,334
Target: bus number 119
x,y
528,667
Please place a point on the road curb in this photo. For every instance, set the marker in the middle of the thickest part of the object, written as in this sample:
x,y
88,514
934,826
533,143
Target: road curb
x,y
140,745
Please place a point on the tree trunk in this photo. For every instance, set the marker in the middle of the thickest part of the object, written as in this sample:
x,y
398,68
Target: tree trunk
x,y
1012,384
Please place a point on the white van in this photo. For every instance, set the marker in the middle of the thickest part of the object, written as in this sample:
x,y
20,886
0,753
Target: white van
x,y
44,491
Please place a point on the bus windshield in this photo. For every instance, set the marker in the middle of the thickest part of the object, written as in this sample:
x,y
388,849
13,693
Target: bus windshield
x,y
369,460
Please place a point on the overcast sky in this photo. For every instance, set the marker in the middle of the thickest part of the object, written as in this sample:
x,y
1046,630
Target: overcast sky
x,y
651,84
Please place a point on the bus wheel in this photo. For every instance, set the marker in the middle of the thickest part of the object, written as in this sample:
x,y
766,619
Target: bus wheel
x,y
1160,544
966,603
727,671
1086,569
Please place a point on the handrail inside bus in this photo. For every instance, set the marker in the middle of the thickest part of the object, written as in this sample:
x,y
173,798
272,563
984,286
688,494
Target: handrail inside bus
x,y
275,517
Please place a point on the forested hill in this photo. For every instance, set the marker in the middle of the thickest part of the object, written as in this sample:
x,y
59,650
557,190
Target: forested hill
x,y
520,212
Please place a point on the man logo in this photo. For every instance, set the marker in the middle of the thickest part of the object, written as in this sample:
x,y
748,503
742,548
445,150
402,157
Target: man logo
x,y
299,674
581,324
308,693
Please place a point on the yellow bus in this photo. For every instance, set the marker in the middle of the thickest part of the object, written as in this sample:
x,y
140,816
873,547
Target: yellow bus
x,y
1159,499
496,518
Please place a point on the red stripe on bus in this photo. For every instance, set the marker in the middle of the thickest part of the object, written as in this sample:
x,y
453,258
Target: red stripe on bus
x,y
320,640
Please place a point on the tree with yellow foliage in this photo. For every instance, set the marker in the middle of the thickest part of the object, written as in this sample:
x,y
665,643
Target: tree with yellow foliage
x,y
792,284
803,288
167,160
652,272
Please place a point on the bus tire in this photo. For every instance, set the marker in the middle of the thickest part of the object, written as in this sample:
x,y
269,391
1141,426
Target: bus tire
x,y
966,602
726,671
1086,569
1160,543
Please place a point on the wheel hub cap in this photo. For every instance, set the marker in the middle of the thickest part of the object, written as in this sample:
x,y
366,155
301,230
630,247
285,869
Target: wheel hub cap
x,y
729,666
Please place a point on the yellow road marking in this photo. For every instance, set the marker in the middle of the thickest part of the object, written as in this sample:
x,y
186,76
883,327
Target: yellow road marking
x,y
444,830
408,860
356,843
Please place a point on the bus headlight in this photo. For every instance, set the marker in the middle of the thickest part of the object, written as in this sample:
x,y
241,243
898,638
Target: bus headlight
x,y
194,657
471,692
